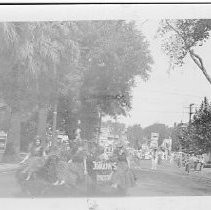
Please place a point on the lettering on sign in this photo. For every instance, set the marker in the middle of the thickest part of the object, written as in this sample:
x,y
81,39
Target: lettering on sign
x,y
103,178
100,165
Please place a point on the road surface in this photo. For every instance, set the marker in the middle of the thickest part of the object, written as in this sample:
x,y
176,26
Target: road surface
x,y
165,181
168,180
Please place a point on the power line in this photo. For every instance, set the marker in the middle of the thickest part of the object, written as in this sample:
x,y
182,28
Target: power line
x,y
167,112
176,93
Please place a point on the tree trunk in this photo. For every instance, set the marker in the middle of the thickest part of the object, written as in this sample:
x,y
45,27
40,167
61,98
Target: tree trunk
x,y
99,128
42,122
54,125
13,141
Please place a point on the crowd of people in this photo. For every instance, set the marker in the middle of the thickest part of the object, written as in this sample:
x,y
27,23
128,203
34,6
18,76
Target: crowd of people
x,y
71,164
190,162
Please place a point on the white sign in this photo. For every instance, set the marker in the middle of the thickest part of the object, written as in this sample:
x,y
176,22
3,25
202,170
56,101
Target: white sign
x,y
103,178
100,165
154,140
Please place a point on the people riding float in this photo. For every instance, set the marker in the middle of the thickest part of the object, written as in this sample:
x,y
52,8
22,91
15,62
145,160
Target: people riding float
x,y
60,158
78,161
35,159
123,177
71,164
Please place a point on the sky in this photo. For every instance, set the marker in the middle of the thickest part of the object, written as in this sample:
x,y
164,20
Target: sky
x,y
166,96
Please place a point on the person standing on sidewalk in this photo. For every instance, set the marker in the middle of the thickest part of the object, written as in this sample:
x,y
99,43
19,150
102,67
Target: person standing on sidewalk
x,y
192,161
195,162
154,159
201,162
187,164
172,158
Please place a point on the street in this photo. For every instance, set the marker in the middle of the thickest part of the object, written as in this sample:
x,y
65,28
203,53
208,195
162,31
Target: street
x,y
8,186
167,180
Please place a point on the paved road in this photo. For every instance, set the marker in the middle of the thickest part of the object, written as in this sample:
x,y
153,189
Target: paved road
x,y
8,185
170,181
165,181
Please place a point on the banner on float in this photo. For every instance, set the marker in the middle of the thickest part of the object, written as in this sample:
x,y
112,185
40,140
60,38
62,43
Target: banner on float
x,y
104,170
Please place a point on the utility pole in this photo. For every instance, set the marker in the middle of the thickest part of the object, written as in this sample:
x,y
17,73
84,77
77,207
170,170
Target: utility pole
x,y
54,124
99,127
190,112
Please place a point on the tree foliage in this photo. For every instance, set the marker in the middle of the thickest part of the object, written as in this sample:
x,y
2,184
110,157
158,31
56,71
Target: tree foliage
x,y
180,37
163,130
195,137
89,67
135,136
112,54
201,132
35,58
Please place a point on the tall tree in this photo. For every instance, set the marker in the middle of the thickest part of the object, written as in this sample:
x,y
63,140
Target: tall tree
x,y
53,56
201,132
114,53
135,136
31,58
195,137
180,137
16,84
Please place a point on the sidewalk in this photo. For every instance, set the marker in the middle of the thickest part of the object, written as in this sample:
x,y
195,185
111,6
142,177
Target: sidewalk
x,y
7,167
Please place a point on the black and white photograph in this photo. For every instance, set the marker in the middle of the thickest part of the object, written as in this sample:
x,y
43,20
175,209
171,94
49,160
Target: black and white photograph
x,y
105,101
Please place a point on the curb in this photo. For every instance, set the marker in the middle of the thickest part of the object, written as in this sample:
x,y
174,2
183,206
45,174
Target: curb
x,y
7,171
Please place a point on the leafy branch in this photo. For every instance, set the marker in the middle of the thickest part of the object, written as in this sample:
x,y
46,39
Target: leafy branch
x,y
195,57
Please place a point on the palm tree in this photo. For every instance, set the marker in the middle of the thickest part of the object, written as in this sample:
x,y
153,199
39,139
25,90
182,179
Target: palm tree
x,y
38,56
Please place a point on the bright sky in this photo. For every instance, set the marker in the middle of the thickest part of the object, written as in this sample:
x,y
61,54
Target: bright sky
x,y
165,97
